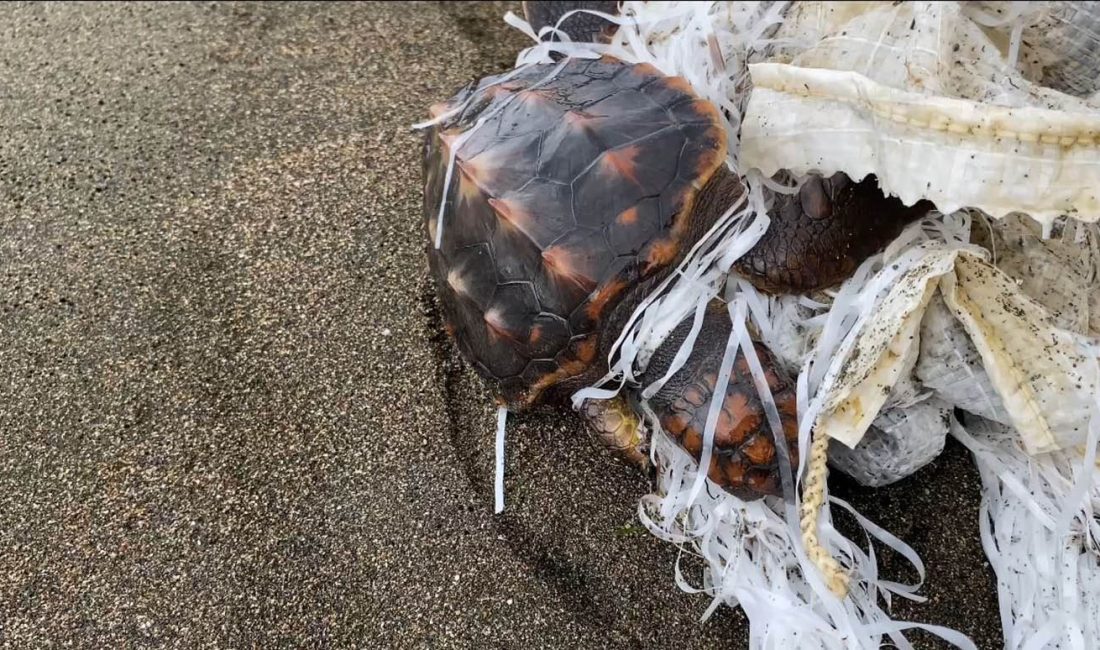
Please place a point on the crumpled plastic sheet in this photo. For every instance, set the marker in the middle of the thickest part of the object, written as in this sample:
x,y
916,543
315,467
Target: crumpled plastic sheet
x,y
926,102
899,442
1044,374
950,365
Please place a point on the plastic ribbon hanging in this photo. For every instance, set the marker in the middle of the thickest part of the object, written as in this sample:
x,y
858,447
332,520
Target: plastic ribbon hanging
x,y
498,477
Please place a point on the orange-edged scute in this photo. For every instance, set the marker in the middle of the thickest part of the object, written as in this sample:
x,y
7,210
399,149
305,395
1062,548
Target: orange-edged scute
x,y
574,189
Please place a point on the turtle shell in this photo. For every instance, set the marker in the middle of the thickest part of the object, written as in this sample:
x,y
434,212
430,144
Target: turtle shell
x,y
572,187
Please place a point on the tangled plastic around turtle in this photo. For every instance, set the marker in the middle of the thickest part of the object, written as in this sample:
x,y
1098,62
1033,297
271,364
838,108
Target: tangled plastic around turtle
x,y
1035,510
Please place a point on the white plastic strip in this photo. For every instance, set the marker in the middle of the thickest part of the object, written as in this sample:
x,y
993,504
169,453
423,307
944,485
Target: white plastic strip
x,y
1048,578
498,482
718,397
771,412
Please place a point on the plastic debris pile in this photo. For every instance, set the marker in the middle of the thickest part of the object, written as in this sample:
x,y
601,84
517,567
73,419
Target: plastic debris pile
x,y
989,307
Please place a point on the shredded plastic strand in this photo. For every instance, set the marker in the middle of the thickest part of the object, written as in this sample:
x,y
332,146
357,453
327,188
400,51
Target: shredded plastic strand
x,y
498,479
1039,524
1048,577
753,550
716,400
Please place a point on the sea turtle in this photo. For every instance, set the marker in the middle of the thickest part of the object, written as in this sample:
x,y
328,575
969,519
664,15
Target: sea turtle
x,y
579,192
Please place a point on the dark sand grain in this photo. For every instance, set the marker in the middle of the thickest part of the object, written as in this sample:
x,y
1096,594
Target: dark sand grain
x,y
227,418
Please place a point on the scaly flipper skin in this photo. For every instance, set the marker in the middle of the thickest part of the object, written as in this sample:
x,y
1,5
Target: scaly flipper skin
x,y
822,233
581,27
745,461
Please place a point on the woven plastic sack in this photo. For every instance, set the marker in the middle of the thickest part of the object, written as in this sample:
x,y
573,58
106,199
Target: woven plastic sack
x,y
900,442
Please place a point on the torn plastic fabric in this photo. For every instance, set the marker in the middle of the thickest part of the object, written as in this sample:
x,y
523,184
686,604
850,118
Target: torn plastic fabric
x,y
1043,376
919,95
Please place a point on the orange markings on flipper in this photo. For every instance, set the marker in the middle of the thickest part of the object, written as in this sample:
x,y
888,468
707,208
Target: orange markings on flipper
x,y
763,482
692,395
692,441
725,424
731,474
760,450
738,420
675,425
744,453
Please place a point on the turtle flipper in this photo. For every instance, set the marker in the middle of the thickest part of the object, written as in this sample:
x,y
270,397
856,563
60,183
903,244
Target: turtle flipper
x,y
618,427
581,27
822,233
744,460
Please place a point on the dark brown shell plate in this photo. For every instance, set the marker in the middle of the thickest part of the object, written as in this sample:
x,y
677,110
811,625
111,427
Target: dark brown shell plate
x,y
575,187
